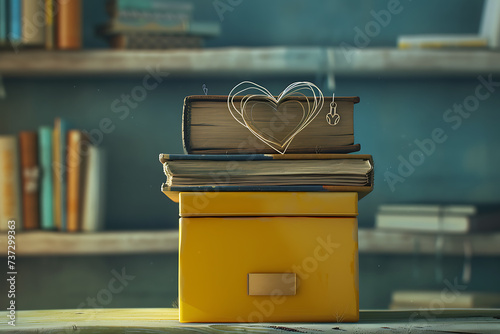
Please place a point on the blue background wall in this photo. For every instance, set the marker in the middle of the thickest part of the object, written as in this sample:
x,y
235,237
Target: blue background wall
x,y
391,115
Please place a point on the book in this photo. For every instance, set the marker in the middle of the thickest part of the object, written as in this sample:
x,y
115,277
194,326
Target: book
x,y
94,194
46,186
69,25
59,150
408,299
457,219
14,34
77,153
3,22
28,147
49,24
432,209
191,28
33,20
150,41
490,23
135,8
442,41
10,185
267,172
209,128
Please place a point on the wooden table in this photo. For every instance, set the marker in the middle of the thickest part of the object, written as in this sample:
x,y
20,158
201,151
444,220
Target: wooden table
x,y
165,320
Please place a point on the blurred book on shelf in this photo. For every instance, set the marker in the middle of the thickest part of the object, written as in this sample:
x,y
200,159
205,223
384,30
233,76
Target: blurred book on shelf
x,y
414,299
61,178
10,182
490,23
441,41
155,24
33,24
438,218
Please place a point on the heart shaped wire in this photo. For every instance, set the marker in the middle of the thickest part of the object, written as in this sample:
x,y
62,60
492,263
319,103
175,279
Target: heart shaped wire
x,y
245,117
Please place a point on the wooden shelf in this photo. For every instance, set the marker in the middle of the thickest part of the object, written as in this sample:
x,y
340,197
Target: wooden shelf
x,y
371,241
39,243
252,62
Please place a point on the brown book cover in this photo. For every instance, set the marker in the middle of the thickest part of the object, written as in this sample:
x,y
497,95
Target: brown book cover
x,y
69,24
75,164
10,185
28,143
209,128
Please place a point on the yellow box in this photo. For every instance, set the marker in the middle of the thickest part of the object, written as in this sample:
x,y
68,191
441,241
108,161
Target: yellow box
x,y
268,257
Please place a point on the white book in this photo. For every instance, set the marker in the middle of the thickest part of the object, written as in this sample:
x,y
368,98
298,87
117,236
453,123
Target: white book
x,y
490,23
94,191
10,183
431,209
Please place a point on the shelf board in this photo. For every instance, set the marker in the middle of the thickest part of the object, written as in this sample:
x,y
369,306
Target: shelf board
x,y
38,243
253,62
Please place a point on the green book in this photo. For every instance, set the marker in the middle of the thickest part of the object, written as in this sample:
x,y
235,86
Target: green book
x,y
46,189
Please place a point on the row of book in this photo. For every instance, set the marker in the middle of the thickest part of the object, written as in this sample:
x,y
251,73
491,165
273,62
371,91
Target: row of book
x,y
155,24
433,218
52,179
49,24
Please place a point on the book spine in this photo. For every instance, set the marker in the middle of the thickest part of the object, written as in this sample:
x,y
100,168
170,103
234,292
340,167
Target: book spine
x,y
10,185
28,142
33,21
186,126
69,25
46,191
49,25
94,192
14,34
3,21
74,169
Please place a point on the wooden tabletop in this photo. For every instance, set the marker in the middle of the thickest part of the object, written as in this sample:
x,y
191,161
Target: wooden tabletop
x,y
165,320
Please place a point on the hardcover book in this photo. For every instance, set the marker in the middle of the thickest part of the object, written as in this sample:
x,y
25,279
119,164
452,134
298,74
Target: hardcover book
x,y
46,186
209,128
268,172
28,143
10,186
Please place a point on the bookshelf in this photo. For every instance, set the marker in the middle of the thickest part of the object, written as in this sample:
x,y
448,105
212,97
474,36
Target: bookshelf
x,y
41,243
265,61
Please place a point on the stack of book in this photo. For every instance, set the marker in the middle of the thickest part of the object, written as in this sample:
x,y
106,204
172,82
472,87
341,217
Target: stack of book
x,y
432,218
223,156
46,24
52,179
155,24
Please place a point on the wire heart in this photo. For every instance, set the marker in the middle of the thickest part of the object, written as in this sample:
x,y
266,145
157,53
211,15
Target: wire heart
x,y
256,95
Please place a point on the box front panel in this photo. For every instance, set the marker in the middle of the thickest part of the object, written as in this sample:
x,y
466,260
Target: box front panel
x,y
217,255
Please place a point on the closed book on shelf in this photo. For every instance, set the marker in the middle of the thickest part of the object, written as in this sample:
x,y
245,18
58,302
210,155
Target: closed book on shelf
x,y
439,222
209,128
442,41
49,24
76,162
412,299
94,193
268,173
59,170
10,184
33,19
46,188
14,34
28,144
3,22
69,25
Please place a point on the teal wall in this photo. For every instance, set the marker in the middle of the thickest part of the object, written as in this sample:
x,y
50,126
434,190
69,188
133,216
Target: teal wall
x,y
393,113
